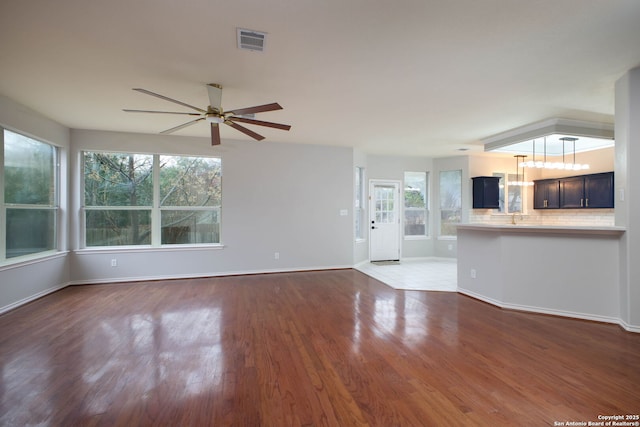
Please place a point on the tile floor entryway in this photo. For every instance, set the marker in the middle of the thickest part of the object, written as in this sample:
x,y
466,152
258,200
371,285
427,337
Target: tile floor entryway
x,y
422,274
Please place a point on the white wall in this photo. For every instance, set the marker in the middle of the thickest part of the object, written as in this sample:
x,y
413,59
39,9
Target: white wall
x,y
573,275
24,281
283,198
627,130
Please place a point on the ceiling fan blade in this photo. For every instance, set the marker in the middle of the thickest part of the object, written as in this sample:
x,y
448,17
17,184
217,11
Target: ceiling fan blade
x,y
215,96
215,134
182,126
257,109
160,112
244,130
169,99
261,123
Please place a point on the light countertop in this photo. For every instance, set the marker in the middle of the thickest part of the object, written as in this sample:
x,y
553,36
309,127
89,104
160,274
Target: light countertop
x,y
560,229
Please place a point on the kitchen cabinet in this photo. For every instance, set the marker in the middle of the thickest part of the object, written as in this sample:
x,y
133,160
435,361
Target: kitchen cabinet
x,y
486,192
546,194
587,191
575,192
572,192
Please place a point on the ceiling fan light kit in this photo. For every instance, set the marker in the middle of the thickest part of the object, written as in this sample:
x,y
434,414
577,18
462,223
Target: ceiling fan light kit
x,y
216,116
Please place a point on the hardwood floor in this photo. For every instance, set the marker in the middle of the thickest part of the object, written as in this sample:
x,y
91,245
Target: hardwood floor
x,y
332,348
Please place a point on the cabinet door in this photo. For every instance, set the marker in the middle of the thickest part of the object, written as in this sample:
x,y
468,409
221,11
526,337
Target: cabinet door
x,y
546,194
553,194
486,192
539,195
599,190
572,192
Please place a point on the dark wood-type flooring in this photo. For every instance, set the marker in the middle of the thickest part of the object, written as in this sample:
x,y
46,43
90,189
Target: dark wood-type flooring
x,y
327,348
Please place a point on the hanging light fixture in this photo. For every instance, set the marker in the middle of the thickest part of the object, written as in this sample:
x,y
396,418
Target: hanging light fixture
x,y
537,163
520,163
571,166
531,163
556,165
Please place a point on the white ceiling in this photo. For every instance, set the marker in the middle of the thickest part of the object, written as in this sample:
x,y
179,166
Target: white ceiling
x,y
408,77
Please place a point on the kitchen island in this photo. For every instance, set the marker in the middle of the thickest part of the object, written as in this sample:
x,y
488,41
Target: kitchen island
x,y
559,270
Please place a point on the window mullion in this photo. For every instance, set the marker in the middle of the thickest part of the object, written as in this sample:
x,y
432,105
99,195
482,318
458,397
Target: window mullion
x,y
156,226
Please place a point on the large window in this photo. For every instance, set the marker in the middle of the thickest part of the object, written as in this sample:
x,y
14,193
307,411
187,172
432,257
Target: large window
x,y
416,204
450,201
29,196
140,199
359,208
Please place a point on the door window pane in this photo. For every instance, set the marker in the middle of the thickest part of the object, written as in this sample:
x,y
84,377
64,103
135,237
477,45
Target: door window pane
x,y
385,209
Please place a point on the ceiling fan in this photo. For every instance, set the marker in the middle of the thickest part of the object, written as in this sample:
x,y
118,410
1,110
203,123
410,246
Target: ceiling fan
x,y
216,116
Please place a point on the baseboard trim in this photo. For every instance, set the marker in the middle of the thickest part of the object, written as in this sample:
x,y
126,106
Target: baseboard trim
x,y
549,311
492,301
204,275
630,328
33,297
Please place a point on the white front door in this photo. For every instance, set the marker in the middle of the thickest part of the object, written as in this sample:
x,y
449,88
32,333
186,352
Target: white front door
x,y
384,221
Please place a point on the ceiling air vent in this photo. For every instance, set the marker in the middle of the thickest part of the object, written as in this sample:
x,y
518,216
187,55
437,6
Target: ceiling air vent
x,y
251,40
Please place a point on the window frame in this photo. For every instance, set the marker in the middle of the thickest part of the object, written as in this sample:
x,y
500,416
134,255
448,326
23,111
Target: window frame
x,y
508,185
5,207
360,205
156,209
440,206
426,208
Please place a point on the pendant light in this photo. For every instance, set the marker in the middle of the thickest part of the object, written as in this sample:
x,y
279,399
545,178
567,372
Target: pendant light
x,y
571,166
520,163
557,165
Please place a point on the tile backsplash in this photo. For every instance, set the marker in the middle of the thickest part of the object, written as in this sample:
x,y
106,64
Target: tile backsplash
x,y
560,217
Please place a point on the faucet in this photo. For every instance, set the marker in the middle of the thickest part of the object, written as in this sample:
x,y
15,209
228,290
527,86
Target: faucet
x,y
513,218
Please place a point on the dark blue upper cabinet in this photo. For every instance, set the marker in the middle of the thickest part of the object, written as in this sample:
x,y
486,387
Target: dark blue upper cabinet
x,y
599,190
572,192
575,192
486,192
546,194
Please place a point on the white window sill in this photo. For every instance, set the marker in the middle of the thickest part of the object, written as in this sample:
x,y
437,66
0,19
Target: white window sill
x,y
31,259
417,237
133,249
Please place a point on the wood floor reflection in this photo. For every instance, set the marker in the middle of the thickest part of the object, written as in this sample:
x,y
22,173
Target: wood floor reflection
x,y
332,348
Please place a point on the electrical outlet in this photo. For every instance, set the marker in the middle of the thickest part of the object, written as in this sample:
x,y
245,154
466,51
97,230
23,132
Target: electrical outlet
x,y
114,262
450,247
473,273
276,255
